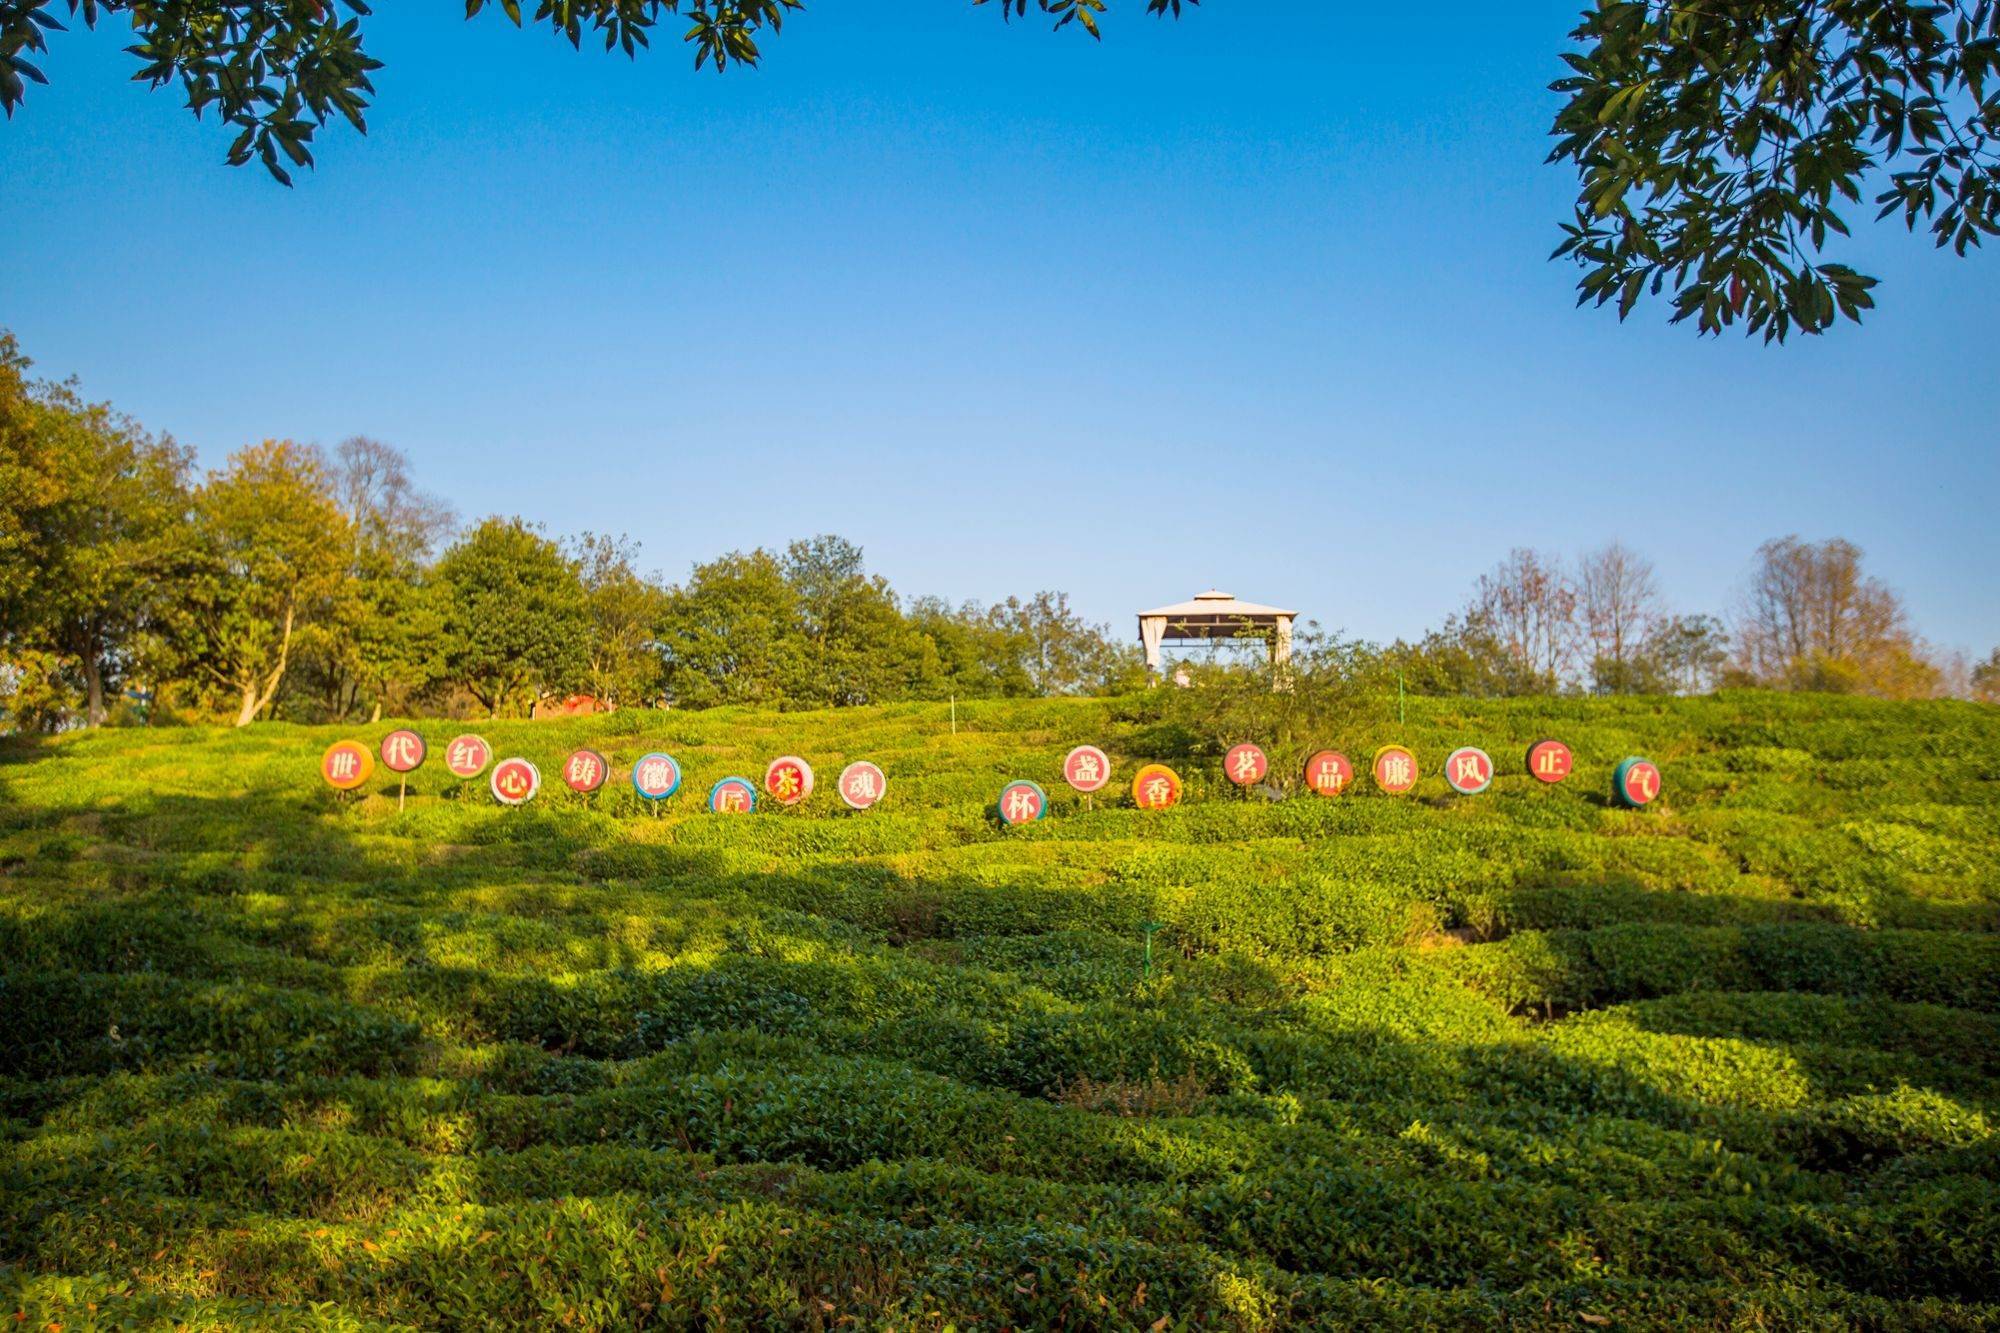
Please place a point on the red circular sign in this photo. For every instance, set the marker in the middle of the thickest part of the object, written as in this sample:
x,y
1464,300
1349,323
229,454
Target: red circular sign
x,y
789,780
1245,764
585,771
1395,769
1329,773
1022,803
1638,782
1469,770
402,751
467,756
515,781
1550,761
862,784
346,764
1087,768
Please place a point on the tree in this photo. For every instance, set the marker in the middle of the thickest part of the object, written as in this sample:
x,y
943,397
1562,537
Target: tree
x,y
1465,657
859,647
1986,679
1061,652
1528,603
87,498
1710,141
966,655
732,634
382,643
1718,145
1619,602
1814,621
1682,655
269,551
515,623
621,660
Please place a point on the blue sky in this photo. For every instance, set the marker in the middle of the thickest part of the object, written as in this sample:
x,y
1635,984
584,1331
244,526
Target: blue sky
x,y
1259,300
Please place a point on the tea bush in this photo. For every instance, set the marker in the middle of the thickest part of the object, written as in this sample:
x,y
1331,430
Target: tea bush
x,y
275,1057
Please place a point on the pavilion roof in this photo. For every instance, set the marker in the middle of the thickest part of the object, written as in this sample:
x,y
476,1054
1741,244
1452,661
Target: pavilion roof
x,y
1214,607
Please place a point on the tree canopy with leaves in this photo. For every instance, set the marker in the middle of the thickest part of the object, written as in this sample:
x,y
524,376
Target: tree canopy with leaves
x,y
1718,146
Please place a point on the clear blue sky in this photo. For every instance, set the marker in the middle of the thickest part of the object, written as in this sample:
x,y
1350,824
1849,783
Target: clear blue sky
x,y
1260,301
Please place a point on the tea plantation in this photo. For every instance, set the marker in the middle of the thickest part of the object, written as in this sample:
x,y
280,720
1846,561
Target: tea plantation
x,y
274,1057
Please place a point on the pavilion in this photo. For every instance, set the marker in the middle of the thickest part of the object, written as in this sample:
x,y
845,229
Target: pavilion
x,y
1212,616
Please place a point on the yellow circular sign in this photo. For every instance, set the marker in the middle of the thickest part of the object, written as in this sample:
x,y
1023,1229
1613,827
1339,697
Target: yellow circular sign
x,y
347,764
1156,787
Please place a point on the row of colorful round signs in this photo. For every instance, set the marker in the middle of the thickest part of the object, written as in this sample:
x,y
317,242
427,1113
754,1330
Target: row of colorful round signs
x,y
788,779
1468,770
656,776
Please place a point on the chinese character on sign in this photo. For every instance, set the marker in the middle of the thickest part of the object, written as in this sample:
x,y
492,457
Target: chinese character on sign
x,y
1469,770
732,796
1245,764
346,765
585,771
1022,803
789,780
656,776
1329,772
1395,769
1550,761
467,756
1156,787
1636,783
862,784
402,751
1087,769
515,781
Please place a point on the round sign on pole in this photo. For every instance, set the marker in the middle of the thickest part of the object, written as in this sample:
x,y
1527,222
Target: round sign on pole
x,y
346,765
1469,770
862,784
1156,787
1245,764
467,756
1395,769
585,771
1550,761
1636,782
1329,773
515,781
1022,803
402,751
656,776
1087,768
789,779
732,796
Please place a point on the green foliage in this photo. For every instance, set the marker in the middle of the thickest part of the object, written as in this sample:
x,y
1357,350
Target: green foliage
x,y
275,1057
1718,146
515,624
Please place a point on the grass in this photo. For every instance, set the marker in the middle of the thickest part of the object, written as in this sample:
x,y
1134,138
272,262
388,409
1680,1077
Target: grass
x,y
273,1057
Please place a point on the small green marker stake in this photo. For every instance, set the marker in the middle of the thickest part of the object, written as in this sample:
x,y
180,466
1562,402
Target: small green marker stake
x,y
1151,928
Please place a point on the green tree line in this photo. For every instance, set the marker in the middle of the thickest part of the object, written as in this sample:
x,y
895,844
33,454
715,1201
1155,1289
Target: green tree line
x,y
316,585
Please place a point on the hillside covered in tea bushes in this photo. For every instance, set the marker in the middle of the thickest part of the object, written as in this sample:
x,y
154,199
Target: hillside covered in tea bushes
x,y
270,1056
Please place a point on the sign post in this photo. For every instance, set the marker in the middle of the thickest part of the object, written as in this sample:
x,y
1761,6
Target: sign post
x,y
402,752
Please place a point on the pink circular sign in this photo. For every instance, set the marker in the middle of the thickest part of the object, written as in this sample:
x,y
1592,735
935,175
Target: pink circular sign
x,y
1087,768
862,784
789,780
